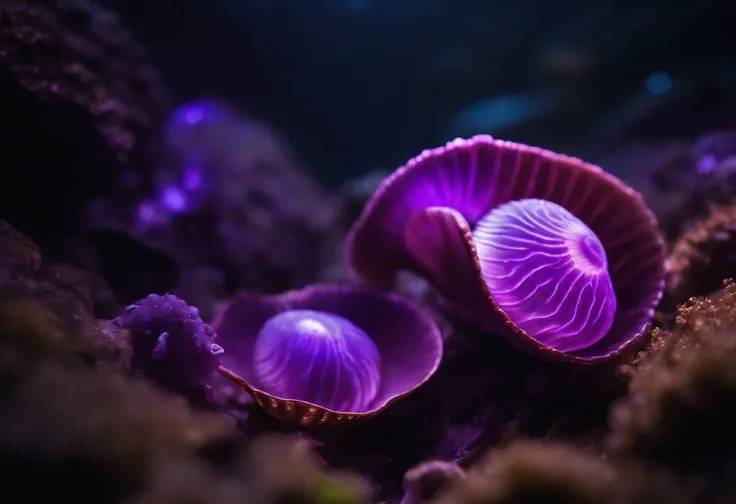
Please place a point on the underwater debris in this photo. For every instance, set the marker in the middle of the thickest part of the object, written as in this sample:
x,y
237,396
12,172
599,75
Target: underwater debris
x,y
171,345
535,472
680,410
398,345
703,257
78,93
420,220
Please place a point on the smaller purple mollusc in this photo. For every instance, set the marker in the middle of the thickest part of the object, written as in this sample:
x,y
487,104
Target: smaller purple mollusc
x,y
328,353
553,253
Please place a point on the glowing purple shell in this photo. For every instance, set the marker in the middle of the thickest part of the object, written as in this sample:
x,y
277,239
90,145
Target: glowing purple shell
x,y
548,272
318,357
468,218
328,353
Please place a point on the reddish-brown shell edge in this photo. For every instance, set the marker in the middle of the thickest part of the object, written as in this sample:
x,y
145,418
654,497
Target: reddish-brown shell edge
x,y
299,413
501,322
306,414
383,277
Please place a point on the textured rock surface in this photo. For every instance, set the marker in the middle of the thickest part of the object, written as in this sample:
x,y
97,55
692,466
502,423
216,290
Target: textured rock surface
x,y
80,105
703,257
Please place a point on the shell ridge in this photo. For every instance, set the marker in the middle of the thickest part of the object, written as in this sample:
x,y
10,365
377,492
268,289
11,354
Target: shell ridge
x,y
472,173
352,302
510,170
570,183
532,175
552,178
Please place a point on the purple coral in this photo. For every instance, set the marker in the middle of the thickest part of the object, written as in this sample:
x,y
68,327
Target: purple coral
x,y
328,353
555,254
171,344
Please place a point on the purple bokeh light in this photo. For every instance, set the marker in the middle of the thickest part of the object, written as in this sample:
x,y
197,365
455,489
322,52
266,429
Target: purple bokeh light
x,y
193,177
175,199
707,163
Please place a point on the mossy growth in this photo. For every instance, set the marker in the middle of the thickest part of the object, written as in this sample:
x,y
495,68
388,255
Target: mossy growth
x,y
82,434
284,470
681,408
703,257
526,473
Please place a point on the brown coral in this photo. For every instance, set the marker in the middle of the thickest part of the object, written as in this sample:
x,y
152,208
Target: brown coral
x,y
185,482
87,435
45,312
642,483
534,472
680,411
277,470
283,469
427,480
32,334
78,100
704,256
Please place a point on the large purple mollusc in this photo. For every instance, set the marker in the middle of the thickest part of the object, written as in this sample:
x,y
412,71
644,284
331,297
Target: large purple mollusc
x,y
422,219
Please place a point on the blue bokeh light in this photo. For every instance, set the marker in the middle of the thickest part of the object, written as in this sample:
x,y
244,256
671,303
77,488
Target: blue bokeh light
x,y
659,83
358,5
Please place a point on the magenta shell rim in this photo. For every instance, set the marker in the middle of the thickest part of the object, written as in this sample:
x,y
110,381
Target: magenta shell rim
x,y
337,290
521,338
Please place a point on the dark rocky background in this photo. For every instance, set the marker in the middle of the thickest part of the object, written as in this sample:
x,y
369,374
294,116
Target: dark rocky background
x,y
360,84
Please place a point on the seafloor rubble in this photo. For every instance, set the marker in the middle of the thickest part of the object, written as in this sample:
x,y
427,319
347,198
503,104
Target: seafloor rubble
x,y
109,339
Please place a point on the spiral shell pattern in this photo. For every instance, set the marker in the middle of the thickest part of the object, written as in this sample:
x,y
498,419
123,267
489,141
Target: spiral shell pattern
x,y
317,357
548,271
